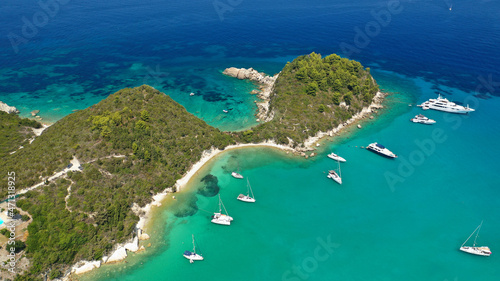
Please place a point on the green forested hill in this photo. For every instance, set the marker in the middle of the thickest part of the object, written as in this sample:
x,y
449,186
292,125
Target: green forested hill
x,y
307,97
14,132
138,142
134,144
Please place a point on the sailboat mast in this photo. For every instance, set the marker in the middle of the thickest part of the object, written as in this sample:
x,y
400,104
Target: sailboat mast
x,y
220,209
194,247
340,173
478,229
249,186
473,234
249,189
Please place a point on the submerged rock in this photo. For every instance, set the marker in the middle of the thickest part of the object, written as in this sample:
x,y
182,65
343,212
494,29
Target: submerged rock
x,y
187,209
210,187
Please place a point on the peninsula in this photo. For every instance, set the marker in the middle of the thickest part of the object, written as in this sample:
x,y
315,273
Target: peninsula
x,y
114,158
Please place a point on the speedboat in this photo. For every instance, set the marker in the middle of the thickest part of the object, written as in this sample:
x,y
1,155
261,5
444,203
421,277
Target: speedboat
x,y
443,104
336,157
381,150
225,111
422,119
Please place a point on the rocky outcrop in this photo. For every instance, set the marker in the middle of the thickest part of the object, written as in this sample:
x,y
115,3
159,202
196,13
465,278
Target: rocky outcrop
x,y
251,74
142,235
86,267
7,108
266,87
132,246
119,255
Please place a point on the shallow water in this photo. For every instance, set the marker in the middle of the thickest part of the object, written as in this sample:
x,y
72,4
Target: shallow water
x,y
400,219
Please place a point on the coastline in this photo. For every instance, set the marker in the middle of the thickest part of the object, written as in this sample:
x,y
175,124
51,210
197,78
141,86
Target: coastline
x,y
207,155
364,113
119,253
266,87
145,213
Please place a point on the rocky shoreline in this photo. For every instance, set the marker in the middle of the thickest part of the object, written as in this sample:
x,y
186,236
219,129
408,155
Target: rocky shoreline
x,y
265,89
9,109
366,112
264,115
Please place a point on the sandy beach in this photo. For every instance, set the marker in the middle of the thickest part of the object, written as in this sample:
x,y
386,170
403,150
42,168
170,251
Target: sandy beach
x,y
145,213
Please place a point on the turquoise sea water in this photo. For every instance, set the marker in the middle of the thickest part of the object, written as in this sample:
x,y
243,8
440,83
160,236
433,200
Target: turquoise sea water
x,y
410,229
400,219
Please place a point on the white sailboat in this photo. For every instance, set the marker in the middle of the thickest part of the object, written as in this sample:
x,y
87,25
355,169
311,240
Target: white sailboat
x,y
193,256
481,251
247,198
236,175
220,218
332,174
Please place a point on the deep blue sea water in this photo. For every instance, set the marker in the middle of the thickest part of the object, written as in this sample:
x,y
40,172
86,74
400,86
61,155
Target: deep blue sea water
x,y
390,220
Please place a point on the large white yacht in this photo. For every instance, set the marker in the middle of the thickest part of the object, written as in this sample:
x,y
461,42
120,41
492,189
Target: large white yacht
x,y
443,104
380,149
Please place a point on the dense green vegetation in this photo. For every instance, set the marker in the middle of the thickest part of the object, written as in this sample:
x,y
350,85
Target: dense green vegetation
x,y
135,143
14,132
307,97
138,142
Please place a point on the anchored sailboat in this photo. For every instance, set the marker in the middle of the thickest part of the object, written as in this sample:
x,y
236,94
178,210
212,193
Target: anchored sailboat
x,y
236,175
193,256
481,251
220,218
247,198
332,174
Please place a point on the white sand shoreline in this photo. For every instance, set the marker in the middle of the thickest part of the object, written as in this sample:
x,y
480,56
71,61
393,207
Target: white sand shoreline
x,y
208,155
145,215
